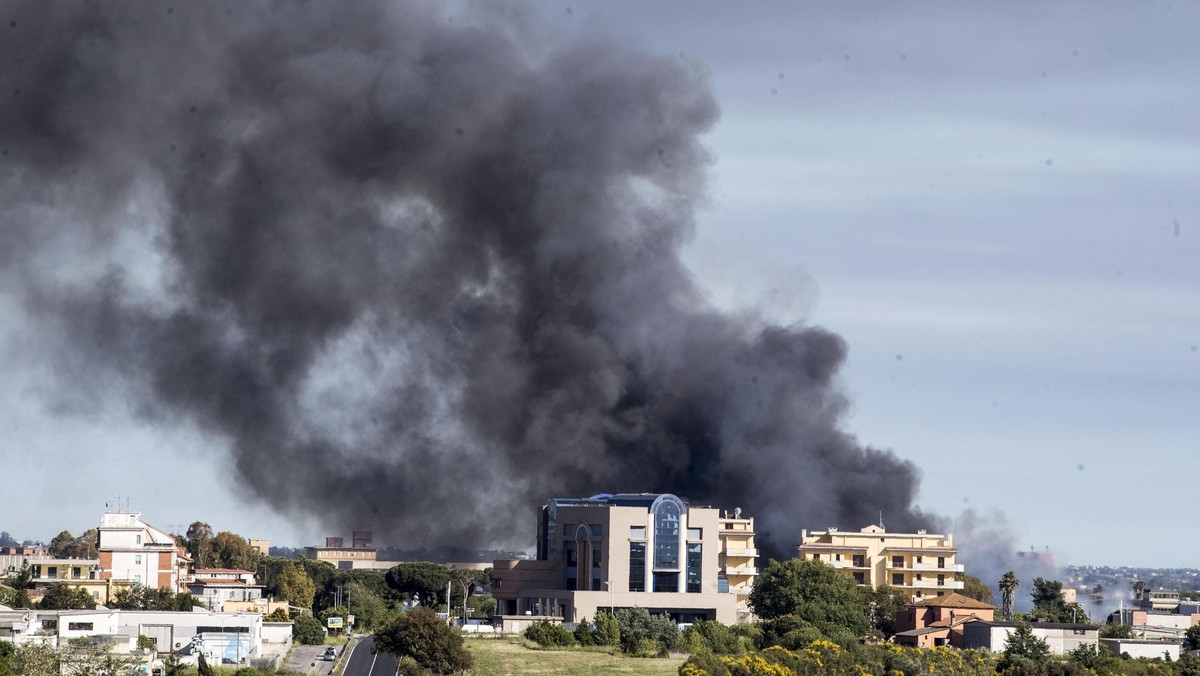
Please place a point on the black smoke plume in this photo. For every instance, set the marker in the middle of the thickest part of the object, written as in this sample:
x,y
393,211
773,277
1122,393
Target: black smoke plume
x,y
408,271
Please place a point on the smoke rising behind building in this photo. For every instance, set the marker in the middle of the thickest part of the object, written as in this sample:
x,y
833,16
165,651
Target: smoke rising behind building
x,y
406,271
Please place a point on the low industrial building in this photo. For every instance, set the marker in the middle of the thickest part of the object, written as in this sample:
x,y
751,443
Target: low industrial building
x,y
1060,637
1143,648
642,550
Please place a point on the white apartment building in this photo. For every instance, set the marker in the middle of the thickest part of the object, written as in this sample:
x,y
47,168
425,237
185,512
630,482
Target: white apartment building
x,y
134,552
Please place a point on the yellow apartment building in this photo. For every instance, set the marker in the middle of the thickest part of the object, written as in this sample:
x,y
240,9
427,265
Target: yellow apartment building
x,y
738,560
920,564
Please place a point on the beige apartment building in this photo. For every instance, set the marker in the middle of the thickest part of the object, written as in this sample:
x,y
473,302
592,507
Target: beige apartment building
x,y
642,550
920,564
738,560
361,555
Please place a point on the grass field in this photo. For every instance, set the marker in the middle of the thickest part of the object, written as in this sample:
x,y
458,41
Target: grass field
x,y
497,656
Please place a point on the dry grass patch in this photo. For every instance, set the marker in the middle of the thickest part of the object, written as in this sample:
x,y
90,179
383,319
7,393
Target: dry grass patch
x,y
501,656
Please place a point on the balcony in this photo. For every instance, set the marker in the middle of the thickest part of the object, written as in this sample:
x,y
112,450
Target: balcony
x,y
848,565
744,570
741,552
930,584
948,568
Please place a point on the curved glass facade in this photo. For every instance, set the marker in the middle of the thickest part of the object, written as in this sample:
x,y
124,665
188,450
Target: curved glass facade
x,y
668,512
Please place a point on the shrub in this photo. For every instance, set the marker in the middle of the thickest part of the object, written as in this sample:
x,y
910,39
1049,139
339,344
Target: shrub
x,y
638,626
550,635
607,630
583,633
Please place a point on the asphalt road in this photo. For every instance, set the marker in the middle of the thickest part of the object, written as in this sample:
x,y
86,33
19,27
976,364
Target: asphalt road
x,y
363,662
303,658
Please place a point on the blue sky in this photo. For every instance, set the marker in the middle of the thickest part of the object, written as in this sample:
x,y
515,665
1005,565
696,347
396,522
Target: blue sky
x,y
994,204
996,208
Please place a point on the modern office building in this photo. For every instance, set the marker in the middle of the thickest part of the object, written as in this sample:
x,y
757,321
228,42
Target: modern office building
x,y
920,564
643,550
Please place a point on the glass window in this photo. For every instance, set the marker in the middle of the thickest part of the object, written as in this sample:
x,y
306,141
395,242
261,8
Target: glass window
x,y
637,532
667,512
860,578
695,534
859,560
570,553
722,584
941,562
597,530
137,579
897,562
816,557
941,579
694,558
837,557
137,559
568,529
897,578
666,581
80,626
637,566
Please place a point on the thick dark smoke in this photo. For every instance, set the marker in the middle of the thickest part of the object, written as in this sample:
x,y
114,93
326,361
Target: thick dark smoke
x,y
409,272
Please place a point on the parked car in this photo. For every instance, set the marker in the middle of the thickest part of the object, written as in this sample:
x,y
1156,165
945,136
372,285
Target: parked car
x,y
330,654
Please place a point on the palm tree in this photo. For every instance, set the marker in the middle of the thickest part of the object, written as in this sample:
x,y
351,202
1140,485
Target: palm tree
x,y
1008,586
1138,588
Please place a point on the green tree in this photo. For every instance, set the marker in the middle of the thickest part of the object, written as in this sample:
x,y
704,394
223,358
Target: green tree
x,y
1139,587
203,669
277,615
230,550
66,546
20,582
199,539
607,631
35,659
307,630
1022,643
1191,638
1117,631
974,588
1008,589
713,637
1097,660
1048,603
420,635
295,586
59,544
813,592
881,605
62,596
426,580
